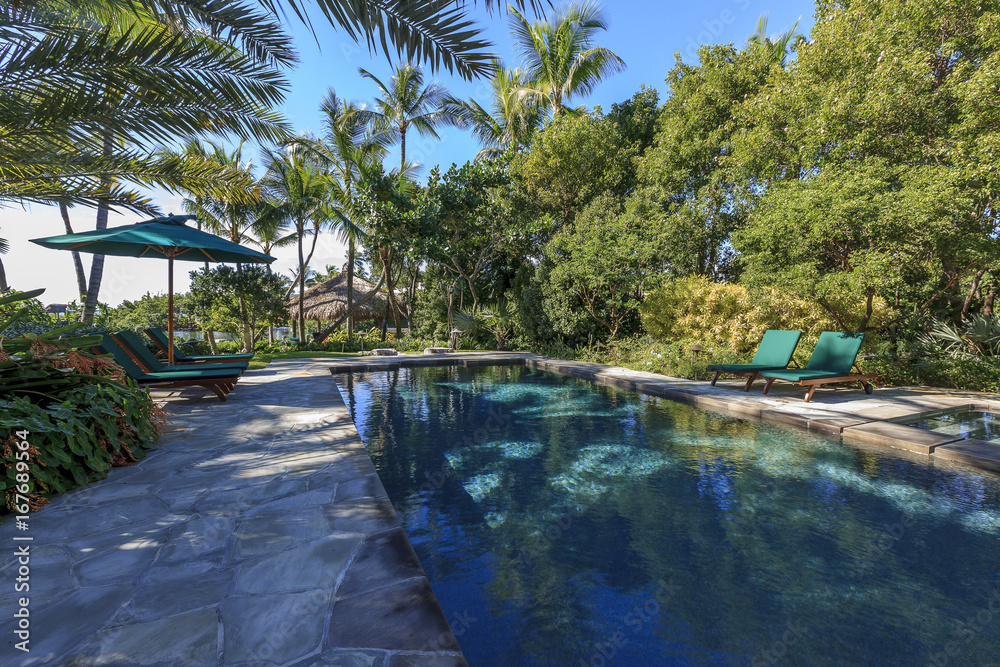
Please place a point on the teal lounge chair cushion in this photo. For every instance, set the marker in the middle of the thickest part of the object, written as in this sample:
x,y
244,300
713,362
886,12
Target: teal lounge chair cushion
x,y
160,339
833,357
108,345
775,351
137,347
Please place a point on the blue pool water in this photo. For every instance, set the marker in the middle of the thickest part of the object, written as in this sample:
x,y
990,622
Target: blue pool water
x,y
563,523
974,424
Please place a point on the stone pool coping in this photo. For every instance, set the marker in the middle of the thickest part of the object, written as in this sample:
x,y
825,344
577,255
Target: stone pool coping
x,y
256,533
840,411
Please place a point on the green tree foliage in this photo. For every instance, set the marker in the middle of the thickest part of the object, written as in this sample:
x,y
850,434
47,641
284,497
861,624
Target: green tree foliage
x,y
241,303
573,160
880,120
512,120
149,311
600,267
469,226
559,55
684,183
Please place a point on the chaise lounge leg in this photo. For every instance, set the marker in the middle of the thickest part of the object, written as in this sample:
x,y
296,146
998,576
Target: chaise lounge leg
x,y
812,390
767,385
753,376
218,391
716,377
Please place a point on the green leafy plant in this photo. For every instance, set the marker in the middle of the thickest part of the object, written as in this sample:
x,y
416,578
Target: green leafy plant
x,y
979,337
77,411
497,319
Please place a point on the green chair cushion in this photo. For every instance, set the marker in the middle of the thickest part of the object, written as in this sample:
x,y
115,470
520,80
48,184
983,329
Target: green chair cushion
x,y
835,352
160,339
137,347
798,374
776,348
133,371
775,351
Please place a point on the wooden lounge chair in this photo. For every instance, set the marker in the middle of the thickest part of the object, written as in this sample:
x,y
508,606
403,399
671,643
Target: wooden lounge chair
x,y
830,363
147,361
219,381
773,353
160,340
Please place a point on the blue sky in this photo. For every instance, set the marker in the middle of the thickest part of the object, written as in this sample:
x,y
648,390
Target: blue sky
x,y
645,34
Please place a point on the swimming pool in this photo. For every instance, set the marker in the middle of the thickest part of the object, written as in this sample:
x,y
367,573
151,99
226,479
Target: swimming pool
x,y
964,422
563,523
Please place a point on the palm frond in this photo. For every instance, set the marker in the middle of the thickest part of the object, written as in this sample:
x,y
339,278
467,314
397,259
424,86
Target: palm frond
x,y
437,32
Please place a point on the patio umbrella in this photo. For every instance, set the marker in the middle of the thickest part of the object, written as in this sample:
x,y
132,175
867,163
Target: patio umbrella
x,y
166,238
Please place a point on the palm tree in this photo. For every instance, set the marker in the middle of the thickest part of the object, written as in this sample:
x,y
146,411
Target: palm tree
x,y
89,87
780,46
513,117
271,230
439,33
348,151
403,104
558,54
301,192
232,215
168,68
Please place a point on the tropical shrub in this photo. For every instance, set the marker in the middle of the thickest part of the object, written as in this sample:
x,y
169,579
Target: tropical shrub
x,y
66,414
731,316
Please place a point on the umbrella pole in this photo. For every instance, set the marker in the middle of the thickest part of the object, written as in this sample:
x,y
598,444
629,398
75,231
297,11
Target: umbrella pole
x,y
170,310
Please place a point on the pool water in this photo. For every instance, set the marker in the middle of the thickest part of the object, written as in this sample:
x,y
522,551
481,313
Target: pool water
x,y
973,424
564,523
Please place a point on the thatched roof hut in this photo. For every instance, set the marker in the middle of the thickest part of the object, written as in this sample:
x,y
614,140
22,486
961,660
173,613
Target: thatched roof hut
x,y
328,300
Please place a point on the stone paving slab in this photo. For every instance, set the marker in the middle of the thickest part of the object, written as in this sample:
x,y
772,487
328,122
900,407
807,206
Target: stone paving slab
x,y
256,533
913,439
974,452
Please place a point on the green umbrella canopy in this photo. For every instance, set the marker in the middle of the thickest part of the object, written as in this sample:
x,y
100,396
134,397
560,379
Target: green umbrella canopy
x,y
165,238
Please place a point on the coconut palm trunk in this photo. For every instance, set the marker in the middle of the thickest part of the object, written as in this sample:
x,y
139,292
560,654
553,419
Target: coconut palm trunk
x,y
97,264
350,288
81,276
302,287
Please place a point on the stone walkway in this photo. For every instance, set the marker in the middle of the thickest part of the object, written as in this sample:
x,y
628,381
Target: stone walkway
x,y
257,532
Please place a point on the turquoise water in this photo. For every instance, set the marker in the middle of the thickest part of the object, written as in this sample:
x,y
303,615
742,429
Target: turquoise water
x,y
563,523
974,424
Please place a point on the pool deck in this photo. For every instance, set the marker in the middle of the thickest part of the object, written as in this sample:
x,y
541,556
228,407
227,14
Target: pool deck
x,y
258,533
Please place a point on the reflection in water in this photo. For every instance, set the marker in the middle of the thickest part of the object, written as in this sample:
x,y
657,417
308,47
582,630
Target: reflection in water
x,y
585,525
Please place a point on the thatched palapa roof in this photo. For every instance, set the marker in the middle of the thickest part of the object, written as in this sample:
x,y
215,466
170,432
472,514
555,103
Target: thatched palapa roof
x,y
328,300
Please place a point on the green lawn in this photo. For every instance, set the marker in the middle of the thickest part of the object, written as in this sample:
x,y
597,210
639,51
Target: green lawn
x,y
261,359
